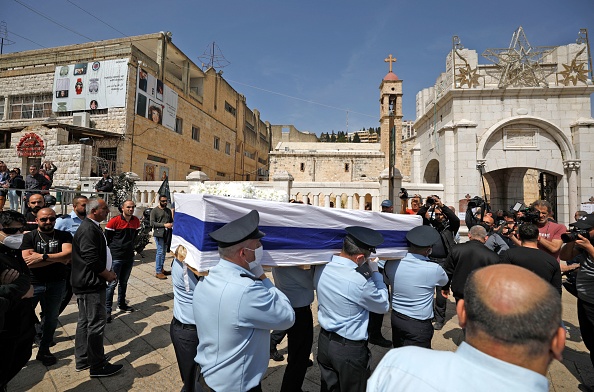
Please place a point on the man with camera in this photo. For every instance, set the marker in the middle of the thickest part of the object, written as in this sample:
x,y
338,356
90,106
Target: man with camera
x,y
581,242
550,232
447,224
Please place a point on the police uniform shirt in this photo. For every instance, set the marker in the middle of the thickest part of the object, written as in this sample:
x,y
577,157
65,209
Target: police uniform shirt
x,y
234,315
184,283
413,280
345,298
296,283
467,370
69,223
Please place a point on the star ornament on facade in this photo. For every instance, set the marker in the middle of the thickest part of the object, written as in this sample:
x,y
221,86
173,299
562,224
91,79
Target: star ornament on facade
x,y
574,73
468,76
521,65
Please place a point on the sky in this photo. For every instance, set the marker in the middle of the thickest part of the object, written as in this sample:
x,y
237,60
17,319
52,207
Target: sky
x,y
317,64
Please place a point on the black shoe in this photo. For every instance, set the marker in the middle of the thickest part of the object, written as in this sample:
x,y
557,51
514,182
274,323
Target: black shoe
x,y
126,308
309,363
380,341
47,358
85,367
106,371
108,320
437,326
276,356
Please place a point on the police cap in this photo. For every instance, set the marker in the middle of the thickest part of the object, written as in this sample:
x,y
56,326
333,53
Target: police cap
x,y
365,238
387,203
422,236
239,230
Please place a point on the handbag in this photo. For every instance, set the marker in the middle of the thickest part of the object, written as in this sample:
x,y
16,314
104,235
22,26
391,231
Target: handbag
x,y
159,232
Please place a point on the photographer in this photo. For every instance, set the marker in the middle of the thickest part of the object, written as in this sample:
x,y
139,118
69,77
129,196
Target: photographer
x,y
550,232
510,229
495,242
445,221
584,245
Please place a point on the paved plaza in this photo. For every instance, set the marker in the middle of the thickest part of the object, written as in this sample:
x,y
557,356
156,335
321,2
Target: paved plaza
x,y
140,341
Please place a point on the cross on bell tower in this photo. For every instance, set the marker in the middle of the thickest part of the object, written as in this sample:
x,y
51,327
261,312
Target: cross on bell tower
x,y
391,123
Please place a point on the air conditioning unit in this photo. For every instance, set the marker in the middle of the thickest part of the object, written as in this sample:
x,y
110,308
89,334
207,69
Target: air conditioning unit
x,y
82,119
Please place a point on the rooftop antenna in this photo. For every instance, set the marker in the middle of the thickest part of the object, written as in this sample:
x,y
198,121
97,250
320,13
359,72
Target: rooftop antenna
x,y
213,57
4,37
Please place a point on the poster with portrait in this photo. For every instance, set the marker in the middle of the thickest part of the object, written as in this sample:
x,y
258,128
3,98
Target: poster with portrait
x,y
155,100
163,173
149,172
90,86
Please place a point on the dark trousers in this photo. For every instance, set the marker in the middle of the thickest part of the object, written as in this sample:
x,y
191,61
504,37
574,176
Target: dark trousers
x,y
50,295
586,320
407,331
440,303
123,269
344,364
67,291
88,342
185,343
16,340
276,337
300,341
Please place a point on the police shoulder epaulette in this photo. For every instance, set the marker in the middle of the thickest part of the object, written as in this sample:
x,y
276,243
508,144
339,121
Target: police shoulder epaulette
x,y
364,270
251,277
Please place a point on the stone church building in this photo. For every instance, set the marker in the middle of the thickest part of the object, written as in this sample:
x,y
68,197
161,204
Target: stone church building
x,y
523,121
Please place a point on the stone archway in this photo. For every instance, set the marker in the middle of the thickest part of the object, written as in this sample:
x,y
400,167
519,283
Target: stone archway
x,y
431,175
515,151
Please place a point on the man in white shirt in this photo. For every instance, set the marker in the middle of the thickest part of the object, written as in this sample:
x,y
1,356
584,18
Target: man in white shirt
x,y
513,328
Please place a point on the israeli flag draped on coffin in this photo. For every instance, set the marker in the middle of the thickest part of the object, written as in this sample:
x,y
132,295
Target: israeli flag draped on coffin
x,y
296,234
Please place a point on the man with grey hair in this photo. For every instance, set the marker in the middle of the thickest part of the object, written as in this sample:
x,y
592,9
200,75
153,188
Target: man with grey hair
x,y
91,270
235,307
507,348
550,232
465,258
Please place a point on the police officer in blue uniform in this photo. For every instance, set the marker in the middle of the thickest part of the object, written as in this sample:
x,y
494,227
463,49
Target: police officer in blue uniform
x,y
348,288
235,307
183,327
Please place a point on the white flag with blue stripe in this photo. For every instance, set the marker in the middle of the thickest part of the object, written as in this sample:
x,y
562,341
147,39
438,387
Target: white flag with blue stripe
x,y
296,234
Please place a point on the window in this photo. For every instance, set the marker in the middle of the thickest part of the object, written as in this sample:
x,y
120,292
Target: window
x,y
194,167
110,153
228,148
30,106
346,167
249,126
179,125
217,143
2,101
156,159
196,133
302,168
250,155
220,174
230,108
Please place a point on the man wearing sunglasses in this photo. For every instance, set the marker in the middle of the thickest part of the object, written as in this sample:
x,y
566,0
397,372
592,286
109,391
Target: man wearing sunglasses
x,y
46,252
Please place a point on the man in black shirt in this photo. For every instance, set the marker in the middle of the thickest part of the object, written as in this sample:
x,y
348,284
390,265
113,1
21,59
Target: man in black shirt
x,y
105,184
46,252
35,203
530,257
35,180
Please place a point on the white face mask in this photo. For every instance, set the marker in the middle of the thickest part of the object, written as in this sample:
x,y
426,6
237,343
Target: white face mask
x,y
13,241
258,253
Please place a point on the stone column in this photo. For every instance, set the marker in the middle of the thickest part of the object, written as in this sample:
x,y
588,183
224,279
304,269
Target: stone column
x,y
316,200
350,202
362,202
571,168
283,181
327,201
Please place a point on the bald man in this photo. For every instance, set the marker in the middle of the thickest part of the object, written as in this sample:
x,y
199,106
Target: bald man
x,y
513,328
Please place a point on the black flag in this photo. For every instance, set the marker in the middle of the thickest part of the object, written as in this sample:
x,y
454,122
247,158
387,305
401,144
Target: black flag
x,y
164,189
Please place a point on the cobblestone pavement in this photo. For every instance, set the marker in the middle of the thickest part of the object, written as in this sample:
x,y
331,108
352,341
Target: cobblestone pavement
x,y
140,341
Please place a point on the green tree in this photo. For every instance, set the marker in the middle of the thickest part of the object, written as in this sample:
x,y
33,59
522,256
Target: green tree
x,y
333,137
356,138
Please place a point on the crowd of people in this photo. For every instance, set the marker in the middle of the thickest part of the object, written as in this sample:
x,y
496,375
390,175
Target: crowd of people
x,y
507,294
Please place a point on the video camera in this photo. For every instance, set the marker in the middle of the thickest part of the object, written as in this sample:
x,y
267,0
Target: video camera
x,y
573,235
476,201
528,214
403,194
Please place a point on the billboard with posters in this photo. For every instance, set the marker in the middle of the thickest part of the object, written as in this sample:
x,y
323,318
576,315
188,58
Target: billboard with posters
x,y
90,86
155,100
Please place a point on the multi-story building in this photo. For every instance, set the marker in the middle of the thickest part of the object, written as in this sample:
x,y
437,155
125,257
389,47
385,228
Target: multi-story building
x,y
134,104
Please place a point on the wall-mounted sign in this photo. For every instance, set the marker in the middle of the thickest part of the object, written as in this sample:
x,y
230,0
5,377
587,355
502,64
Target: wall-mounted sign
x,y
90,86
155,100
30,145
